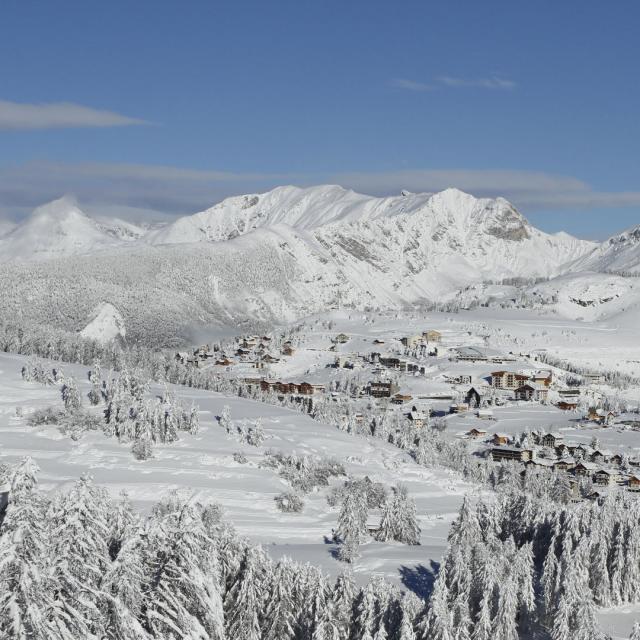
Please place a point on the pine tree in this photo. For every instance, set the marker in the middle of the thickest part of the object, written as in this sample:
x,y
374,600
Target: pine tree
x,y
343,596
80,556
243,601
183,593
408,529
635,633
279,618
27,606
71,396
225,419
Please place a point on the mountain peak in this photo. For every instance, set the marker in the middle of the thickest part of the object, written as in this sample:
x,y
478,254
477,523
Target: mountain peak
x,y
58,209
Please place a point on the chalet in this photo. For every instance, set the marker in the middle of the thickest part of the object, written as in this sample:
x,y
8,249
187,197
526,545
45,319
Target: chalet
x,y
540,462
340,361
585,469
359,418
507,379
382,389
470,354
269,359
606,477
391,362
204,353
417,418
536,392
341,338
570,393
500,438
461,379
594,378
461,407
223,362
305,389
182,357
600,455
243,352
604,418
551,439
582,450
287,349
512,453
411,341
616,458
598,494
567,405
431,335
474,398
476,433
399,398
564,464
265,339
634,482
542,377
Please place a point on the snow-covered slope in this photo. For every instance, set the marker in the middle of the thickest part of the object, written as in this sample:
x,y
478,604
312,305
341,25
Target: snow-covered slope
x,y
108,324
272,257
619,253
60,228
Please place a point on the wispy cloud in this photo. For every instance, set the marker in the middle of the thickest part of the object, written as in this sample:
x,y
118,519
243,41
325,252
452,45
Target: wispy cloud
x,y
411,85
134,191
490,82
58,115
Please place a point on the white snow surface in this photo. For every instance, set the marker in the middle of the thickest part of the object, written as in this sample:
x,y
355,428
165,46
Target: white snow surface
x,y
271,257
620,253
60,228
108,324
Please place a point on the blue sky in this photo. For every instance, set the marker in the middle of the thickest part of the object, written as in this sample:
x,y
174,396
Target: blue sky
x,y
162,108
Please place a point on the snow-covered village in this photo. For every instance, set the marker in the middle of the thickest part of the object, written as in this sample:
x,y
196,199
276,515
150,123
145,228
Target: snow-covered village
x,y
319,321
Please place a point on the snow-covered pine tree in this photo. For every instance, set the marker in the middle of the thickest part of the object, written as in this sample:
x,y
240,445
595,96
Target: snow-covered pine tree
x,y
243,602
80,556
183,596
408,529
279,616
71,395
344,593
27,606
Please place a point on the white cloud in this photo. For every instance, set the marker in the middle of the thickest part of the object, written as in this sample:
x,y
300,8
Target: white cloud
x,y
149,192
411,85
491,82
58,115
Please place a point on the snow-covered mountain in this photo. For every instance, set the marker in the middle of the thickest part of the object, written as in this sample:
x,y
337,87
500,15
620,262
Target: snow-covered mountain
x,y
619,253
270,257
60,228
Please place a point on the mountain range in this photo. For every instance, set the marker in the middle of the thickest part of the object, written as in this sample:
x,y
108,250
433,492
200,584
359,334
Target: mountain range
x,y
279,255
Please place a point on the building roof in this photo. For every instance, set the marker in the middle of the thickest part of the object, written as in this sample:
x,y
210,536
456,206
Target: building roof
x,y
589,466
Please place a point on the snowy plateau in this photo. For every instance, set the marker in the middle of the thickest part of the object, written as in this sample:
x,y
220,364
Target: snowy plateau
x,y
315,414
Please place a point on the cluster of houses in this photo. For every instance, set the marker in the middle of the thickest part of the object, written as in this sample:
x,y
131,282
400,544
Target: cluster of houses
x,y
534,386
550,451
430,336
286,388
256,350
200,355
